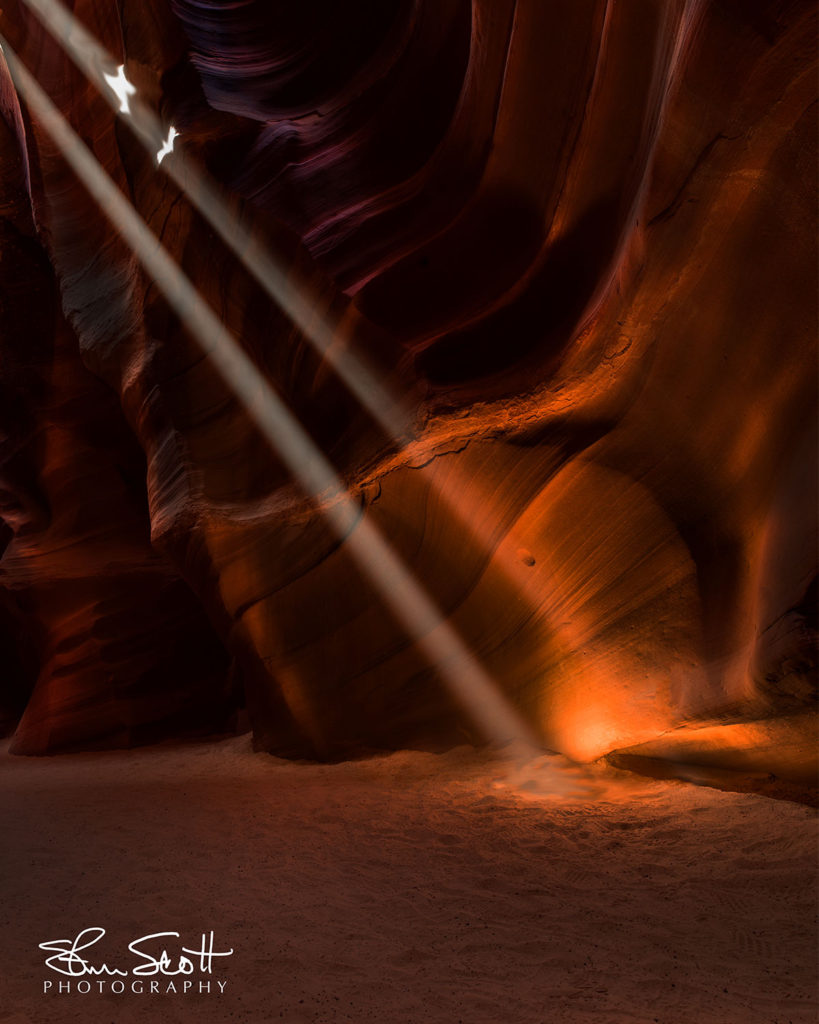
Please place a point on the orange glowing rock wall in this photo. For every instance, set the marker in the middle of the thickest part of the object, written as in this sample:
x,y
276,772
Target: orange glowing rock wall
x,y
578,236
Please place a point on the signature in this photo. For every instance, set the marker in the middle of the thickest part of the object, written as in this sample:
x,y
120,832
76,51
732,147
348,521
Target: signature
x,y
66,958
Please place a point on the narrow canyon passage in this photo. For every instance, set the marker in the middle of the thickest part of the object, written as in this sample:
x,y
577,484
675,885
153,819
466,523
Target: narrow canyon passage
x,y
408,511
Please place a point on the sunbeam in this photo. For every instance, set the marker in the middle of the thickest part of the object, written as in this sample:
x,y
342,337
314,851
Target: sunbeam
x,y
467,680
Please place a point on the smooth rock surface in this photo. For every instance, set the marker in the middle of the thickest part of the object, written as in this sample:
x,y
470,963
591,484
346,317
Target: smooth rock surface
x,y
578,239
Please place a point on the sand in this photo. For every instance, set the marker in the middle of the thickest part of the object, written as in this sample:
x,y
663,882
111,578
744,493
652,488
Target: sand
x,y
404,889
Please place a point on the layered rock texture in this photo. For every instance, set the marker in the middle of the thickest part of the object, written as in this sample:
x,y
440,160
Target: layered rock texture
x,y
576,238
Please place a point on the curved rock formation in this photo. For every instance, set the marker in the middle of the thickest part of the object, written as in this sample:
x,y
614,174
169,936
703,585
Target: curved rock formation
x,y
578,238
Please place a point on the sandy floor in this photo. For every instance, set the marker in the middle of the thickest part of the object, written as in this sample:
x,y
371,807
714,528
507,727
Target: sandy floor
x,y
405,889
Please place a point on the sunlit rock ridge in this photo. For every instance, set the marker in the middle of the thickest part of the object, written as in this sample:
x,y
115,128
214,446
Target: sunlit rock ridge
x,y
576,238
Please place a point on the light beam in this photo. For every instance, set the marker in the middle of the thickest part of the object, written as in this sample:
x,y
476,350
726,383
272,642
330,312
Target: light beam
x,y
467,680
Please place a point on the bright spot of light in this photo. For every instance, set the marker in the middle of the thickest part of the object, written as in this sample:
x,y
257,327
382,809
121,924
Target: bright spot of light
x,y
549,777
167,145
121,88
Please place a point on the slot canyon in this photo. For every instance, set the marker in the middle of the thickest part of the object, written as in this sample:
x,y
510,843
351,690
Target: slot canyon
x,y
534,286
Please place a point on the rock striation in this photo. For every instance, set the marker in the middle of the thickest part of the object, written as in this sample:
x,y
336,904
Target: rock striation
x,y
577,238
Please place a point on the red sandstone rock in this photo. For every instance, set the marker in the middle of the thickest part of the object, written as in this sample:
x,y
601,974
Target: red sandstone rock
x,y
579,237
